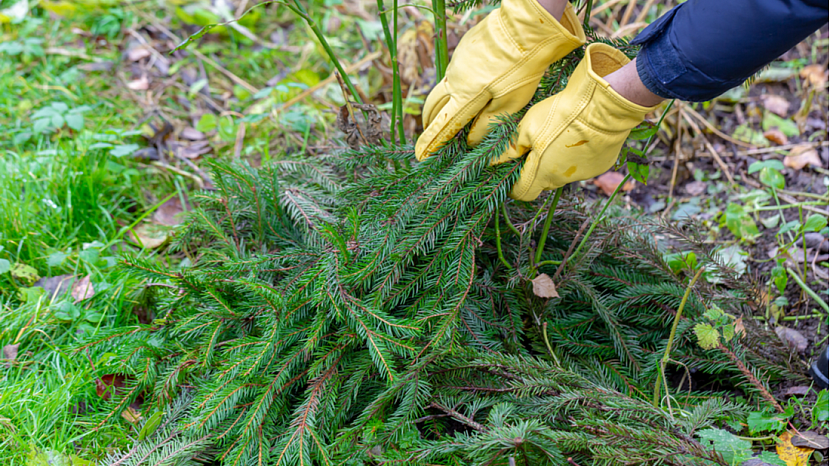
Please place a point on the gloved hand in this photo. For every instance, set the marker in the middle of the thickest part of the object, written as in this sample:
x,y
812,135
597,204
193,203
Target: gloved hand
x,y
578,133
495,69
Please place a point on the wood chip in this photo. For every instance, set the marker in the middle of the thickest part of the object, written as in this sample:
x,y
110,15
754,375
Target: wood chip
x,y
544,287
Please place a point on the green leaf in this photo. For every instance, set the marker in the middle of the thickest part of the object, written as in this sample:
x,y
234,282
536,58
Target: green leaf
x,y
94,317
772,178
644,131
125,149
779,278
734,450
31,294
5,266
728,332
75,121
739,222
40,126
150,426
207,123
758,166
638,171
787,126
789,226
771,458
761,422
821,411
815,223
56,258
707,336
25,273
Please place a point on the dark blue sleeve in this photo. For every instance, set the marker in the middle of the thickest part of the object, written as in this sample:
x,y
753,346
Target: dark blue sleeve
x,y
702,48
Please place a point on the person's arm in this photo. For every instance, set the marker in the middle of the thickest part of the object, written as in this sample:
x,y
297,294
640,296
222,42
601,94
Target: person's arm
x,y
702,48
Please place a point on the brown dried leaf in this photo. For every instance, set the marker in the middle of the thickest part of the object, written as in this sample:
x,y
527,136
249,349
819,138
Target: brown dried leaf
x,y
108,384
138,52
776,104
802,155
148,235
800,390
775,135
369,127
792,337
609,181
740,330
696,188
83,289
810,439
544,287
816,75
131,415
192,134
169,213
10,354
140,84
57,285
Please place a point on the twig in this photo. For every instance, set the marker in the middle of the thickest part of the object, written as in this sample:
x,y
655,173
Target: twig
x,y
767,150
712,128
752,379
460,417
711,149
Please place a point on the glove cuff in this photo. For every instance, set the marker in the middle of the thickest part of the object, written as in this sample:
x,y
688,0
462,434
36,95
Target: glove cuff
x,y
609,110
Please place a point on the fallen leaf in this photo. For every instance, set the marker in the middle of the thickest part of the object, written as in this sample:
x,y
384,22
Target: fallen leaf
x,y
193,150
696,188
810,439
149,236
169,213
544,287
609,181
802,155
792,337
776,104
137,53
192,134
25,273
83,289
800,390
740,330
10,354
775,135
140,84
108,384
131,415
816,75
56,286
791,454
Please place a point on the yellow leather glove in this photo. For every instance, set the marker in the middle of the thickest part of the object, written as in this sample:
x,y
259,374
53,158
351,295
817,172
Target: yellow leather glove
x,y
578,133
495,69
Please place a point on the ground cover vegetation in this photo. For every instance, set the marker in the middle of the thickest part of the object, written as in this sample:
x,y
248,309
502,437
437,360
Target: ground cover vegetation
x,y
326,305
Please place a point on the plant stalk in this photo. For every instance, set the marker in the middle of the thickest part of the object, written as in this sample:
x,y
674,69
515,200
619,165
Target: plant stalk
x,y
667,354
546,227
498,244
442,58
391,37
807,290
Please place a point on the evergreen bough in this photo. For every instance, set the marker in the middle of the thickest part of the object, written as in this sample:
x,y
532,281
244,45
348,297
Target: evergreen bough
x,y
363,309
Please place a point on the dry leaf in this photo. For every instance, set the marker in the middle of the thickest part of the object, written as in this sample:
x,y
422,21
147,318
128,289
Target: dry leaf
x,y
791,454
108,384
799,390
369,127
775,135
816,75
169,213
149,236
802,155
810,439
137,53
140,84
83,289
131,415
543,287
609,181
776,104
792,337
740,330
192,134
56,286
696,188
10,354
